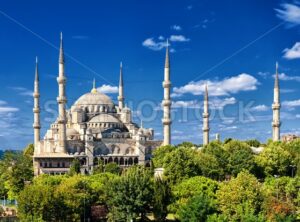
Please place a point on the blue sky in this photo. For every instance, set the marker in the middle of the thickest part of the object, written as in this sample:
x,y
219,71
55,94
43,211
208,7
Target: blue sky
x,y
230,45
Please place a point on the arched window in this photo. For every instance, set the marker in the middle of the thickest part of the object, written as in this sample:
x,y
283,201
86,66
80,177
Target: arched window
x,y
136,160
116,160
130,161
121,161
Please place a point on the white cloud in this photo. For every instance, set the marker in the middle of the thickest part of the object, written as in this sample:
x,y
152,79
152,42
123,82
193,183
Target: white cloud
x,y
289,13
108,89
160,43
235,84
153,45
218,103
284,77
263,74
179,38
193,104
259,108
292,53
8,109
228,128
22,91
176,27
287,90
291,103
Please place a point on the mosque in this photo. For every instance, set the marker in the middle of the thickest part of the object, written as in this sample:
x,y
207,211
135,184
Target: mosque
x,y
95,129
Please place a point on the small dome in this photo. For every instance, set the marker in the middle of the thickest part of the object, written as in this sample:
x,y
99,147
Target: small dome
x,y
94,98
104,118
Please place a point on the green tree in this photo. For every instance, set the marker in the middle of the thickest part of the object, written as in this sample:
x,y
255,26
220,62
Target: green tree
x,y
239,195
29,150
38,203
76,194
98,167
240,157
254,143
75,167
210,166
281,197
216,149
274,159
161,199
160,153
98,184
197,209
181,164
187,145
112,168
130,195
293,148
191,187
19,171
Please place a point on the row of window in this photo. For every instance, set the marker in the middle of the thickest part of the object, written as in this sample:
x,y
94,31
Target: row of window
x,y
105,125
52,165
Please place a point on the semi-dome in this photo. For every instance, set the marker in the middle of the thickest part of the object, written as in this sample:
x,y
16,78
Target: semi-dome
x,y
94,98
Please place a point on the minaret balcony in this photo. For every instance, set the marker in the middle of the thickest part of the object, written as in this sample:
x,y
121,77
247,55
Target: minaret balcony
x,y
36,110
276,123
166,121
166,102
166,84
276,106
205,129
120,98
36,126
61,99
205,115
61,79
61,120
36,95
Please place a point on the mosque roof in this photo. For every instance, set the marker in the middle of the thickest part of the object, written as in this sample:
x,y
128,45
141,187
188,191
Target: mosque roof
x,y
94,98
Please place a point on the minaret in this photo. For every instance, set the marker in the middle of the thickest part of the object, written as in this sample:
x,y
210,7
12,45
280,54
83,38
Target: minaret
x,y
62,100
36,108
276,109
121,91
205,118
166,103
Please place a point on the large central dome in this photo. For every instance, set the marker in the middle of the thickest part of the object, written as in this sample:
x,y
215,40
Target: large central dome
x,y
94,98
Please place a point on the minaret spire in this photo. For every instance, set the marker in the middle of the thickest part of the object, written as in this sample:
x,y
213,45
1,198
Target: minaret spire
x,y
62,100
61,50
276,109
166,103
205,118
36,109
94,89
121,90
